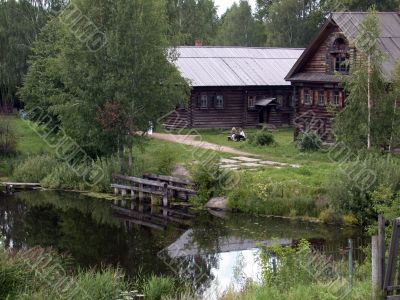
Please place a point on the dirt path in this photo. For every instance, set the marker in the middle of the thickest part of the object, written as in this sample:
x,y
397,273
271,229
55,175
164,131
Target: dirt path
x,y
245,159
190,140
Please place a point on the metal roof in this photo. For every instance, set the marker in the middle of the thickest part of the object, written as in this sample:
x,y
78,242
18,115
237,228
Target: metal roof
x,y
236,66
265,101
389,38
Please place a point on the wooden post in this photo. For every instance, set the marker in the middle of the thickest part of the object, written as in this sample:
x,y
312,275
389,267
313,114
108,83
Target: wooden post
x,y
116,191
123,192
132,194
165,197
392,260
381,249
375,268
141,195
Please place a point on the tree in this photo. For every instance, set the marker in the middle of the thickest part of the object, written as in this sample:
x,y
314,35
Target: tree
x,y
292,23
76,80
239,28
20,24
192,20
362,5
366,119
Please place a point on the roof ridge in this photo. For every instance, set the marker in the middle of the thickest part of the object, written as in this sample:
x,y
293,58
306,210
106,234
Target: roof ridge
x,y
240,47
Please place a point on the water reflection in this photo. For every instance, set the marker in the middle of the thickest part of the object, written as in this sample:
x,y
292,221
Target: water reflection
x,y
202,248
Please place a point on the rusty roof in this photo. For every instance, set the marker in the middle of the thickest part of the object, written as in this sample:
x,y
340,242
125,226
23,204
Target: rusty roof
x,y
236,66
350,24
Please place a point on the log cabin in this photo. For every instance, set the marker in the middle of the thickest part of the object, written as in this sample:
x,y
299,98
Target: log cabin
x,y
235,87
316,85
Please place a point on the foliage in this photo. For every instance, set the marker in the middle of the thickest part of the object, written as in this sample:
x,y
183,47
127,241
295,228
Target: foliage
x,y
165,161
330,216
207,177
8,140
309,141
290,23
62,176
353,188
262,138
192,20
259,194
34,168
238,27
130,70
157,287
20,23
352,124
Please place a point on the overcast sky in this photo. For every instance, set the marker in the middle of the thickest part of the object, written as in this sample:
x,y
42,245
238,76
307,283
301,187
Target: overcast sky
x,y
224,4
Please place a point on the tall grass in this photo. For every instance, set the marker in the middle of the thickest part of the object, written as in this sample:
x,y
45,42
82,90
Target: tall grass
x,y
259,194
34,168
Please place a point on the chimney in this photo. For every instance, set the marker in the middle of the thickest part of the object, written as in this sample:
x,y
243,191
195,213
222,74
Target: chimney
x,y
198,43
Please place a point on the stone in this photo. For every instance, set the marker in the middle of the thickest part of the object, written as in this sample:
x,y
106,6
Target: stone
x,y
246,159
251,165
228,161
218,203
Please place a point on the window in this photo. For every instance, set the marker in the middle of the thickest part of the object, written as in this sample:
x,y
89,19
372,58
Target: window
x,y
339,52
321,98
336,99
251,102
340,63
307,97
219,101
203,101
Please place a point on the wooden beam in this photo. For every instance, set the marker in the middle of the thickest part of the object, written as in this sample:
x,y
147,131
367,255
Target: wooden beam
x,y
168,179
137,189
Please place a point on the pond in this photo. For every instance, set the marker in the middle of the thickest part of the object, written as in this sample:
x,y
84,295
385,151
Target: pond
x,y
205,248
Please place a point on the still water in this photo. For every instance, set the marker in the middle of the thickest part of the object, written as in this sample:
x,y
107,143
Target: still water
x,y
213,250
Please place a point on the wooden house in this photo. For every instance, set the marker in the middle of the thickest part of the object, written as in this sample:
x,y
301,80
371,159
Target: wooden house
x,y
317,87
235,86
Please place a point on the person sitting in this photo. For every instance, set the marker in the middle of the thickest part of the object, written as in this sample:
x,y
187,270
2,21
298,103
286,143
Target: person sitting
x,y
241,136
233,134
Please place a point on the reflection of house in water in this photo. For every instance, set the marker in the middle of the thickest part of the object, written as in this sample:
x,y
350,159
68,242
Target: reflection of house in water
x,y
185,246
142,213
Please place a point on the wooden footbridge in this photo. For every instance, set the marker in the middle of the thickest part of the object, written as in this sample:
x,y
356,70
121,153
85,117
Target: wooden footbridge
x,y
165,187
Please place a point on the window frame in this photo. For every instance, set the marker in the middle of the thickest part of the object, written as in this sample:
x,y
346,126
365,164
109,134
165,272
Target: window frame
x,y
321,93
307,97
203,99
219,101
336,99
251,100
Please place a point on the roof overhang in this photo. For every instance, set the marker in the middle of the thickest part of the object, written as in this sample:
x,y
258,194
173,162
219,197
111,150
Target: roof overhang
x,y
266,101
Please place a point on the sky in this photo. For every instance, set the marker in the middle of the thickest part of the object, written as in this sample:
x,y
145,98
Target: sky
x,y
224,4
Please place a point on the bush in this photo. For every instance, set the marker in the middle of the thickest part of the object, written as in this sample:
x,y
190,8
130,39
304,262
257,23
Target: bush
x,y
8,140
109,166
207,177
309,142
165,161
330,216
34,168
64,177
262,138
352,188
158,287
260,195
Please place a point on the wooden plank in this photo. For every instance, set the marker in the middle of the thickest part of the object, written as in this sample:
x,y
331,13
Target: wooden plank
x,y
393,297
140,180
137,189
180,189
168,179
142,223
381,250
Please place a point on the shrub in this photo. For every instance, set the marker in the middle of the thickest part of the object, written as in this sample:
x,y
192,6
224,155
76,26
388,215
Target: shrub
x,y
352,188
257,194
165,161
309,142
108,166
8,140
207,177
262,138
34,168
330,216
349,220
64,177
157,287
